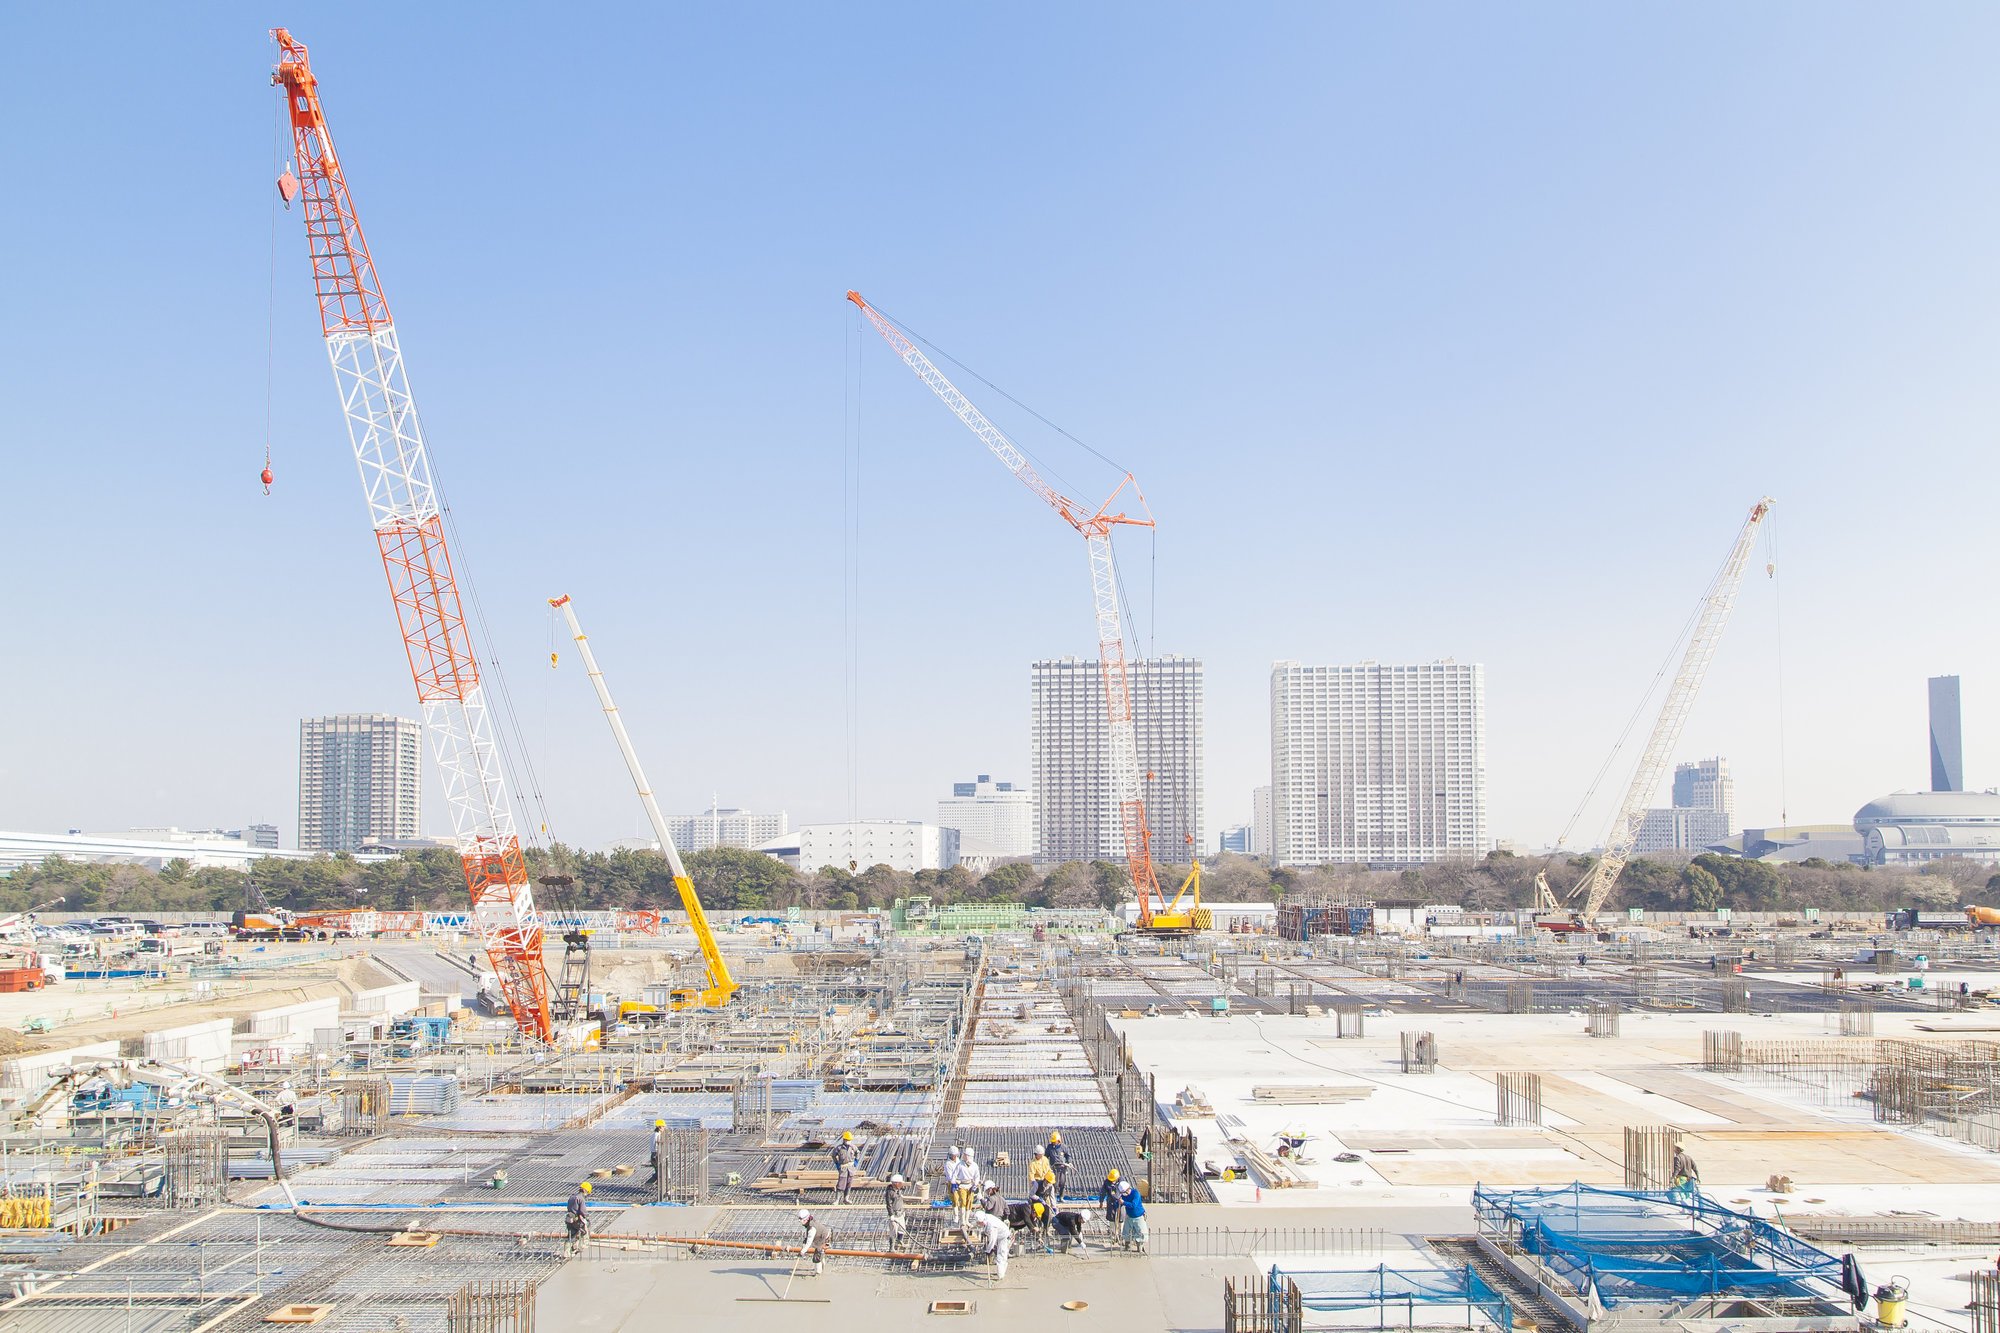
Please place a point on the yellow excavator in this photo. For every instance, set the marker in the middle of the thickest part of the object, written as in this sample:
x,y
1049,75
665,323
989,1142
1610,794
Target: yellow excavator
x,y
721,986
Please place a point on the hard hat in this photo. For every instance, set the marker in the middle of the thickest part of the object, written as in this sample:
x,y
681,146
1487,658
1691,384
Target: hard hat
x,y
951,1152
659,1124
585,1187
895,1180
847,1136
1038,1150
990,1185
1055,1136
805,1216
1113,1175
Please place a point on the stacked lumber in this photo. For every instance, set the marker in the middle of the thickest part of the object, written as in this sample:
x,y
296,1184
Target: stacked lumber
x,y
1274,1173
1193,1104
876,1161
1311,1094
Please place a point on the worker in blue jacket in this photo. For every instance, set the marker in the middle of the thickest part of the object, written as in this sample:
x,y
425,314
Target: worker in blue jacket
x,y
1133,1237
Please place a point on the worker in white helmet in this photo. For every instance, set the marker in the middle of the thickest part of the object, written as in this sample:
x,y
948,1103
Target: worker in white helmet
x,y
892,1203
999,1239
992,1200
815,1242
963,1177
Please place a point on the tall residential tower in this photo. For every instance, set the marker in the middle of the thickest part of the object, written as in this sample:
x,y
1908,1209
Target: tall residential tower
x,y
358,778
1076,814
1376,764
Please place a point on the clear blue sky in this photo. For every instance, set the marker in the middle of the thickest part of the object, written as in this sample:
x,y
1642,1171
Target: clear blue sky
x,y
1430,330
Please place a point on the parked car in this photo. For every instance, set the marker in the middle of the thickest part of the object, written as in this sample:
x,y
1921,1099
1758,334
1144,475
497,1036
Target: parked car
x,y
205,928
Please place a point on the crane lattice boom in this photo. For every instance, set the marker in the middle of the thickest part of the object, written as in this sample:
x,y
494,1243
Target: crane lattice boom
x,y
403,506
1596,886
1096,526
721,985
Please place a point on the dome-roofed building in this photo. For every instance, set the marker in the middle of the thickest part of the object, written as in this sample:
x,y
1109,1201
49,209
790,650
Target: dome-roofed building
x,y
1907,827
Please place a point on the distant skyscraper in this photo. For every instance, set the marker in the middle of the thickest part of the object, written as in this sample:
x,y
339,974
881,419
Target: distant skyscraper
x,y
1384,765
1260,822
1236,838
992,814
1947,739
261,835
1703,812
721,826
359,777
1076,818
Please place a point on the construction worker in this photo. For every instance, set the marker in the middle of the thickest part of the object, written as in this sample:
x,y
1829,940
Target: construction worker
x,y
844,1156
999,1240
1107,1194
963,1177
1058,1164
815,1242
892,1203
1687,1176
659,1156
288,1103
992,1200
579,1223
1041,1179
1069,1229
1133,1236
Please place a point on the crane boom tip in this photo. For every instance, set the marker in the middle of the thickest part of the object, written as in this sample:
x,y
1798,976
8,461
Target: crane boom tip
x,y
856,298
558,601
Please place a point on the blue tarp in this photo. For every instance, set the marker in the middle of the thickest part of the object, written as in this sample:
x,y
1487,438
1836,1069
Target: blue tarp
x,y
1654,1245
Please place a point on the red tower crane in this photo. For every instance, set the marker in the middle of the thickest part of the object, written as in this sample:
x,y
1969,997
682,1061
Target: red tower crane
x,y
407,514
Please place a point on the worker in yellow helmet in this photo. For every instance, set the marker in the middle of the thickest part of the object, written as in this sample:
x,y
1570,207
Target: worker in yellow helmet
x,y
1059,1164
659,1179
1107,1194
844,1157
579,1224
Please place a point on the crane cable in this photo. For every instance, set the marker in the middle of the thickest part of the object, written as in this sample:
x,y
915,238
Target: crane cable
x,y
1778,632
271,298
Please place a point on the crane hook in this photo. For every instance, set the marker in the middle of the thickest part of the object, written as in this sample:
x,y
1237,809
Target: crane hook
x,y
265,476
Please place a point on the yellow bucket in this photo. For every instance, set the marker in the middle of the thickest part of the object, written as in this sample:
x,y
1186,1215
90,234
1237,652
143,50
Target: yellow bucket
x,y
1889,1301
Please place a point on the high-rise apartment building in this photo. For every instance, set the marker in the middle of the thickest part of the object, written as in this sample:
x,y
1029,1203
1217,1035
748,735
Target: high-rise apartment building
x,y
1260,822
721,826
1947,736
992,814
1076,814
1378,764
359,777
1703,812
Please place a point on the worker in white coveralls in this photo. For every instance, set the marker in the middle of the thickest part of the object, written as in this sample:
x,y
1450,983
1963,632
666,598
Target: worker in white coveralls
x,y
999,1240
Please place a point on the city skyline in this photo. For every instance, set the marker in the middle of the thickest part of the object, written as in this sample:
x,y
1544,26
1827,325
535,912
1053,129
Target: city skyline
x,y
1463,282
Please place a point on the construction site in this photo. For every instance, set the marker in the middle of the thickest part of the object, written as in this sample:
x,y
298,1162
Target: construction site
x,y
1333,1114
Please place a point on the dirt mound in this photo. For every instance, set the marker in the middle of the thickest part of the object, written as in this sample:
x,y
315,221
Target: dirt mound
x,y
13,1043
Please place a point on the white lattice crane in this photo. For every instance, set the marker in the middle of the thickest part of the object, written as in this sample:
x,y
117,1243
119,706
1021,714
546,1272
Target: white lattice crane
x,y
1095,525
408,518
1596,885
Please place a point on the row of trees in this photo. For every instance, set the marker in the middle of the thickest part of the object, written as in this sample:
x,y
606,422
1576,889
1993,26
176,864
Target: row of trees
x,y
731,879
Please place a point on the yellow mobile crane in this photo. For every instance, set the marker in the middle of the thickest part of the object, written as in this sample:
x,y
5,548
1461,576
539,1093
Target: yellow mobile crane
x,y
721,986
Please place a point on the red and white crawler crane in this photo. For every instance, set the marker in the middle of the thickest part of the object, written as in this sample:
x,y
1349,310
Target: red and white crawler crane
x,y
408,519
1122,754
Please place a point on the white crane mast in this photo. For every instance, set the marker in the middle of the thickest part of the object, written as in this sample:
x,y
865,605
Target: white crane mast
x,y
1596,886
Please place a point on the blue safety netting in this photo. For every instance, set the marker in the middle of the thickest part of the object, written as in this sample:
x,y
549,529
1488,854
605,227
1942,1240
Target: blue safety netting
x,y
1654,1245
1389,1289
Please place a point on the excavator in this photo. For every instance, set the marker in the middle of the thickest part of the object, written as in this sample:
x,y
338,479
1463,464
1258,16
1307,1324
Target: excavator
x,y
721,986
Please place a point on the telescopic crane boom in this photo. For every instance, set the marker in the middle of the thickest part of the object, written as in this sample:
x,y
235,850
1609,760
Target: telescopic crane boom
x,y
408,518
1095,525
1596,885
720,984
